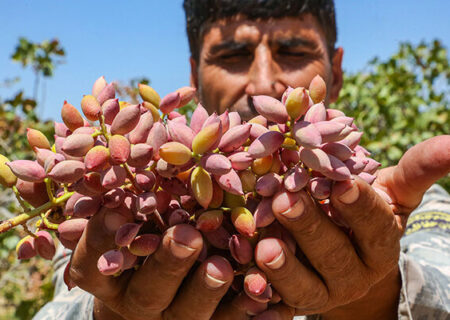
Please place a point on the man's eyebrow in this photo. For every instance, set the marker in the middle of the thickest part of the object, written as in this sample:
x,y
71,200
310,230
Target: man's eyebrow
x,y
295,42
229,45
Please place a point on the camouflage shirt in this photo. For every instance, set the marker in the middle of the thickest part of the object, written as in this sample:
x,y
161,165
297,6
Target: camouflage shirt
x,y
424,266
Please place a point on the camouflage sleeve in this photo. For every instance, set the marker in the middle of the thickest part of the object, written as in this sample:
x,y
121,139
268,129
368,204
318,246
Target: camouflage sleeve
x,y
75,304
425,259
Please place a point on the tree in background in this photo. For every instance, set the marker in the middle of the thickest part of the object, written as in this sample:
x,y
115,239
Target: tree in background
x,y
19,112
42,57
129,92
400,102
24,285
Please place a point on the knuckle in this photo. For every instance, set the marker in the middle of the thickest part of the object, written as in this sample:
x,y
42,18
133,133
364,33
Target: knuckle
x,y
308,301
391,259
139,302
337,259
295,302
365,212
345,291
389,262
318,300
354,294
77,276
387,234
170,268
384,249
309,227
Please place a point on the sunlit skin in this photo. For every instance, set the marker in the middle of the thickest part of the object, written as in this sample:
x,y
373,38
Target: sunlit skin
x,y
240,58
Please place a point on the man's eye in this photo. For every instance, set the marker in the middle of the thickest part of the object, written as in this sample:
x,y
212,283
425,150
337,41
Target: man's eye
x,y
234,55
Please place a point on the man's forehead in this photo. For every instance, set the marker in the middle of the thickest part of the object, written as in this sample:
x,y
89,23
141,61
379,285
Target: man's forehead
x,y
241,29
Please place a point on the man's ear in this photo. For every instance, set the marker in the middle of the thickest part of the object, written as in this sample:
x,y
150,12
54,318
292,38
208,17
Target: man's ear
x,y
193,79
336,70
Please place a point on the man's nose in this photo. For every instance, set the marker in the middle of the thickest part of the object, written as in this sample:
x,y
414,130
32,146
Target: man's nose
x,y
263,75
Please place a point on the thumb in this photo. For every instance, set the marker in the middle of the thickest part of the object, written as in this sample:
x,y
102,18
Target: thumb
x,y
417,170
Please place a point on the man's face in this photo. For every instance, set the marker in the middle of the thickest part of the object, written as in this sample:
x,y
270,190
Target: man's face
x,y
240,58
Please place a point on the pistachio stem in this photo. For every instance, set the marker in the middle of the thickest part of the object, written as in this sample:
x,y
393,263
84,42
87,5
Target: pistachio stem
x,y
96,134
48,186
103,126
131,177
46,222
196,157
25,205
24,217
28,231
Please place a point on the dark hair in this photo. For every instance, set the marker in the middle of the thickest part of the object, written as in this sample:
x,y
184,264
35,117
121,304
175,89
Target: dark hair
x,y
201,12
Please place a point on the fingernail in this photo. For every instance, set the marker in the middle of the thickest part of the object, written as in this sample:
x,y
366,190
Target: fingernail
x,y
218,270
268,315
180,250
213,282
277,262
113,221
271,253
294,212
350,193
184,240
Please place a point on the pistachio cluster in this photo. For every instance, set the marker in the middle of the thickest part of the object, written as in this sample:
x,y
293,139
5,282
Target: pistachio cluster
x,y
220,174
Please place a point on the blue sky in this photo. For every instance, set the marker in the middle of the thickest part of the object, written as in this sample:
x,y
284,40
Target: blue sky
x,y
128,39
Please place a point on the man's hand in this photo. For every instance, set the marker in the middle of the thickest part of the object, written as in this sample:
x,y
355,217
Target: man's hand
x,y
161,288
353,276
155,290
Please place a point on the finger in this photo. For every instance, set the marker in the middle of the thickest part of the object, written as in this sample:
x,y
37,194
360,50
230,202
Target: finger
x,y
200,295
154,285
417,170
240,308
375,228
278,311
230,311
326,246
298,286
97,238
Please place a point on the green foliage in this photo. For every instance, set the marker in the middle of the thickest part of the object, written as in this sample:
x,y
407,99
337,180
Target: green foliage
x,y
43,56
129,92
188,109
400,102
24,285
16,115
19,112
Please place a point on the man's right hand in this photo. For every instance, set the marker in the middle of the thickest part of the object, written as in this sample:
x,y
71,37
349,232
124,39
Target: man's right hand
x,y
156,290
159,289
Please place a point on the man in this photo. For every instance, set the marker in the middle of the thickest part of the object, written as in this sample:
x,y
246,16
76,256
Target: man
x,y
245,48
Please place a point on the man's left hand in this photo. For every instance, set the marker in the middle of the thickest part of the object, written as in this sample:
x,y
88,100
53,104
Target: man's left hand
x,y
353,275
